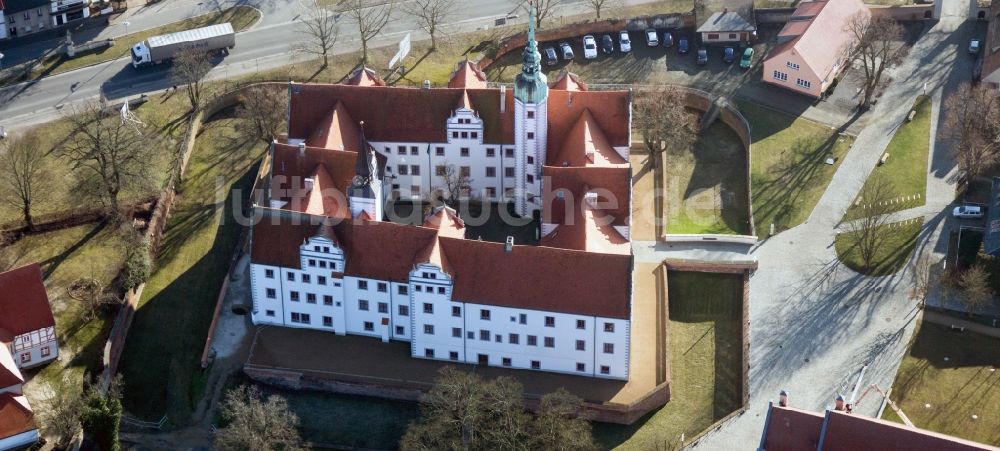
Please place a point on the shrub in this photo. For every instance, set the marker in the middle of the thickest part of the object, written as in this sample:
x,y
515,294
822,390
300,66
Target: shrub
x,y
138,265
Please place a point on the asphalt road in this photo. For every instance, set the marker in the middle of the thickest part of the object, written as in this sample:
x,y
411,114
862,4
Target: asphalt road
x,y
268,44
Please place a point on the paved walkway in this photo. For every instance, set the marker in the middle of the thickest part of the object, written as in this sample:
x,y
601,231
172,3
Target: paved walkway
x,y
947,320
814,324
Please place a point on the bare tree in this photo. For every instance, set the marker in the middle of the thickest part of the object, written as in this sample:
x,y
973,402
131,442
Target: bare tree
x,y
543,9
22,167
189,69
559,424
975,283
255,422
91,294
869,233
973,120
62,417
599,5
920,274
875,45
663,121
456,182
431,14
110,154
321,30
370,20
262,111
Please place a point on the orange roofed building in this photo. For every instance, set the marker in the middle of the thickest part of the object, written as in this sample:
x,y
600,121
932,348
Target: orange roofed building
x,y
324,256
812,47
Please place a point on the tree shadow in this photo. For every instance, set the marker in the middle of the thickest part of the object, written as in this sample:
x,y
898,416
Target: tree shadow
x,y
52,264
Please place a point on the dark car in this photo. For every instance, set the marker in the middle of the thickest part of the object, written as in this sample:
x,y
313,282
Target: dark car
x,y
729,55
702,57
608,44
551,58
682,46
668,40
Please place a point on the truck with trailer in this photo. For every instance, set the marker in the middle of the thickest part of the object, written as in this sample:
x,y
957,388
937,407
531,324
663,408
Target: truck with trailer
x,y
157,49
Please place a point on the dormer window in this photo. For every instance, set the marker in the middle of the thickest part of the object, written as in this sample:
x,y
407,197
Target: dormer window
x,y
531,115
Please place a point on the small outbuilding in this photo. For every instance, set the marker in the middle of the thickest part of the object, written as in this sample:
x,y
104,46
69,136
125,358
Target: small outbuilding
x,y
726,26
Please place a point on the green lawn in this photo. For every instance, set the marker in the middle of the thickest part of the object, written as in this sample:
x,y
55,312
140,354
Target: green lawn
x,y
162,355
942,395
891,257
241,17
788,166
706,357
706,188
906,167
92,251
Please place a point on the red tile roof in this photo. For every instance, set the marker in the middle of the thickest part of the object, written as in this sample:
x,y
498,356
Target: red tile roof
x,y
798,430
821,42
24,306
586,145
569,81
614,192
336,131
467,75
364,76
331,171
540,278
15,415
589,230
9,374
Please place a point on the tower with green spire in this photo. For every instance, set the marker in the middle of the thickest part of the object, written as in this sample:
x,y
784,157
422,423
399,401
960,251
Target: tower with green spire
x,y
531,93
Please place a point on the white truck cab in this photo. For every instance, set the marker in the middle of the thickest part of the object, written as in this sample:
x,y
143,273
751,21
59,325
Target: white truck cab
x,y
140,55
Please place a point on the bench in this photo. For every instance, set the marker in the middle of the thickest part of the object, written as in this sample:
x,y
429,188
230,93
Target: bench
x,y
910,116
885,157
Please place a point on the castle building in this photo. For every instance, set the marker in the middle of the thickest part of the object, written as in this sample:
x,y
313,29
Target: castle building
x,y
324,256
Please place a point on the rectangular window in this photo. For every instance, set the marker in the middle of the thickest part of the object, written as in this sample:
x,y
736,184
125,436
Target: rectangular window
x,y
536,365
369,326
327,299
271,293
713,36
311,298
803,83
402,289
550,321
439,151
306,278
420,288
440,170
509,153
400,330
470,335
383,307
46,351
792,65
531,114
530,178
508,172
550,342
428,307
305,318
531,135
484,314
429,329
609,348
322,264
464,151
456,332
429,353
383,287
414,169
474,135
581,324
609,327
780,76
491,172
440,290
465,135
401,150
454,134
491,191
464,171
327,321
362,284
269,312
294,296
498,338
531,159
362,305
291,277
269,273
404,169
456,311
404,310
321,280
453,355
532,340
523,318
581,345
312,262
484,335
513,339
295,317
581,367
605,369
414,150
491,152
505,361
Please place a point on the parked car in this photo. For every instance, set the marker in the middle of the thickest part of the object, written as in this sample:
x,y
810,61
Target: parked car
x,y
729,55
652,38
682,46
589,47
968,212
567,50
608,44
551,58
668,39
702,57
747,58
623,42
974,47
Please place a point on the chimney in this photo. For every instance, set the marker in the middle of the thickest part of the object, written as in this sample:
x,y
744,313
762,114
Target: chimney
x,y
509,245
591,198
308,183
302,149
503,99
839,403
783,399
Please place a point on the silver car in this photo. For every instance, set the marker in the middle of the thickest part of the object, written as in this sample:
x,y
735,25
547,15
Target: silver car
x,y
968,212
